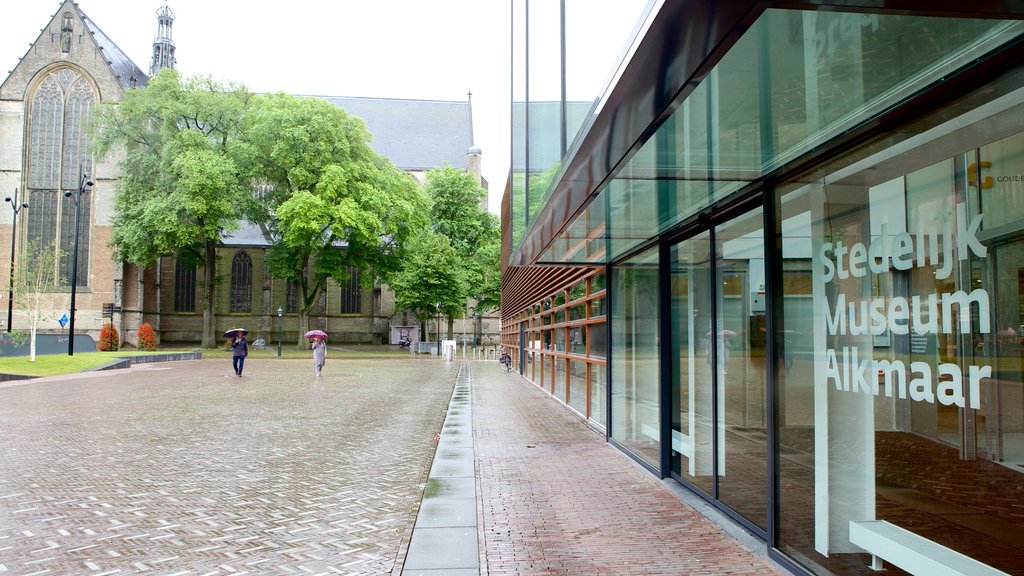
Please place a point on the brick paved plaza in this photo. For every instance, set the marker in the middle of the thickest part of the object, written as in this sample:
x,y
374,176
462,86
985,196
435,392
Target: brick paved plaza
x,y
183,468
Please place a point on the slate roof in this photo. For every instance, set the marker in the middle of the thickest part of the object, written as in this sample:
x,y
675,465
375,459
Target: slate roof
x,y
414,134
248,235
120,63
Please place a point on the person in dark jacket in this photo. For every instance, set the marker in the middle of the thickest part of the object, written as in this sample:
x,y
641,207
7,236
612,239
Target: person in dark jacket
x,y
240,349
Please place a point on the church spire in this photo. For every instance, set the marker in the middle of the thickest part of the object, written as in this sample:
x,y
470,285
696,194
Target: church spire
x,y
163,45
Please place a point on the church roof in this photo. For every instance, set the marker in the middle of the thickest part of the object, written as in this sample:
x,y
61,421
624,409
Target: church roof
x,y
416,135
120,63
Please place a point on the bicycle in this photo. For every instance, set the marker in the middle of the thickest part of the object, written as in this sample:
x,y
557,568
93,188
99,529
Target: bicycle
x,y
506,362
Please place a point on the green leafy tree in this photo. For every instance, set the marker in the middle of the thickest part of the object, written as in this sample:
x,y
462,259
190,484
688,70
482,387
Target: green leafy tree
x,y
458,214
37,285
332,203
486,286
431,274
181,187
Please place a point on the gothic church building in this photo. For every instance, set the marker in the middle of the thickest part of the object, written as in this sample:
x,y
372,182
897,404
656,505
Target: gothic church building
x,y
45,151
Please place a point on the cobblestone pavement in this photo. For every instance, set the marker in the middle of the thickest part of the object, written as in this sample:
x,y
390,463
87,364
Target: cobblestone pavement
x,y
556,499
183,468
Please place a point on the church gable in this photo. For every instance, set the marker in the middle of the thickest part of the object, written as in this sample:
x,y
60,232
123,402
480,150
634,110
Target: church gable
x,y
70,38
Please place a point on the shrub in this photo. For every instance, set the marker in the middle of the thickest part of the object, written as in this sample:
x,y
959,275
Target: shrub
x,y
147,337
110,341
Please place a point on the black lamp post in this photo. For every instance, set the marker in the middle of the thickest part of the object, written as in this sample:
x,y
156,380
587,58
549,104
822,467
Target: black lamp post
x,y
14,236
280,330
84,183
438,328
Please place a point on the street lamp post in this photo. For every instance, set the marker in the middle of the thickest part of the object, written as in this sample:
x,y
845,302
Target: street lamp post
x,y
14,236
280,330
83,183
438,307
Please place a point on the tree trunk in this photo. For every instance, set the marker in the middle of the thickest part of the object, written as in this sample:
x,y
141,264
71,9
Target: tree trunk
x,y
209,300
32,344
300,342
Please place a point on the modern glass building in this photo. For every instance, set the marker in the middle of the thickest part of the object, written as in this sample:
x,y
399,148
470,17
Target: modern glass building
x,y
780,259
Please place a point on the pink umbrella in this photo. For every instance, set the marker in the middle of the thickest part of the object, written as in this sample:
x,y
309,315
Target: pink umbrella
x,y
319,334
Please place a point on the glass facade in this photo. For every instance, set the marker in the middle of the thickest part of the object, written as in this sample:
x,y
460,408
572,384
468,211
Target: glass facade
x,y
562,52
903,321
814,312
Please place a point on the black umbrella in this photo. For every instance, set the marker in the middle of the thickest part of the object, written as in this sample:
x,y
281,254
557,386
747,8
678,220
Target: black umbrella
x,y
232,331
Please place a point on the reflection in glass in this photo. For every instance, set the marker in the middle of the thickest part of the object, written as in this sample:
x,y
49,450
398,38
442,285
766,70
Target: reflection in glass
x,y
578,386
889,403
634,323
740,340
598,391
693,411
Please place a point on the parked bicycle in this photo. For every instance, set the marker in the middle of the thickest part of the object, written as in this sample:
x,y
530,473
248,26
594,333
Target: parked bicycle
x,y
506,361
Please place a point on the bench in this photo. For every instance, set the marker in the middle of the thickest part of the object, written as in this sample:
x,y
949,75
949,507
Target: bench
x,y
913,553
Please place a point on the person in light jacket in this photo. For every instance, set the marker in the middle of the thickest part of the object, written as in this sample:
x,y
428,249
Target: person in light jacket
x,y
319,354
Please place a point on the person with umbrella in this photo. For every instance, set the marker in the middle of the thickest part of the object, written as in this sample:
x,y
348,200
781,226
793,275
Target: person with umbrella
x,y
319,338
239,347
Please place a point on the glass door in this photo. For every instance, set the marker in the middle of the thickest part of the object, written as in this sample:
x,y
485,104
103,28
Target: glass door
x,y
719,435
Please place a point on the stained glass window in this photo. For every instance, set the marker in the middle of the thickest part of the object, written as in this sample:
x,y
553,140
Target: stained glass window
x,y
58,156
184,287
241,283
350,301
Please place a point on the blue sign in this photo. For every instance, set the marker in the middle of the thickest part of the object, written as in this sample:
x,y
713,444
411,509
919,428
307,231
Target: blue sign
x,y
63,320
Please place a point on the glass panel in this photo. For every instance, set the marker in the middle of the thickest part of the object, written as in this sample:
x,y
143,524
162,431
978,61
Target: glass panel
x,y
598,392
901,385
743,466
559,339
693,432
595,41
517,193
578,291
558,384
578,386
634,324
578,340
544,108
598,340
793,81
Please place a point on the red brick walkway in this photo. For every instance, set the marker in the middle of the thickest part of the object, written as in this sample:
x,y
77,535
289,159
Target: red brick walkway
x,y
557,500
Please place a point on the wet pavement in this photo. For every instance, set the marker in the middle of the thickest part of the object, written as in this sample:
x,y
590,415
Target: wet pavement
x,y
183,468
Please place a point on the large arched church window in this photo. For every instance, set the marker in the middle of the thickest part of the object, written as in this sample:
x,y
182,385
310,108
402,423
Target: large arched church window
x,y
241,283
57,154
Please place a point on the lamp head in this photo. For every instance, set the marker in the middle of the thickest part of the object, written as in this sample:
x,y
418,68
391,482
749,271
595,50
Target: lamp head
x,y
67,194
279,311
8,199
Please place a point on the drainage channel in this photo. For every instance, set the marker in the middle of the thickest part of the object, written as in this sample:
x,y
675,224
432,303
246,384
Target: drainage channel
x,y
444,539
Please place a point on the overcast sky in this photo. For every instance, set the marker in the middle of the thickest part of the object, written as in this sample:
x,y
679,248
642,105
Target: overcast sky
x,y
436,50
410,49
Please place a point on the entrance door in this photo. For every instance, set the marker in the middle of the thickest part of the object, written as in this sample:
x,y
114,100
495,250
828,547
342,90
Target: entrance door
x,y
719,435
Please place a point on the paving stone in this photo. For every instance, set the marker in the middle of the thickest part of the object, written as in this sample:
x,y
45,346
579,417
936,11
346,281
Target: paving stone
x,y
185,468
